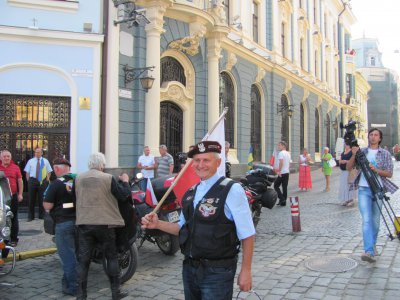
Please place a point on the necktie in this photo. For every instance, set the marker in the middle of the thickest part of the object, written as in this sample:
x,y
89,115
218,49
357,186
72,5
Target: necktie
x,y
37,168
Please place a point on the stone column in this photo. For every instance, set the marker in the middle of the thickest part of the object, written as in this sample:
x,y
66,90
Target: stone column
x,y
152,107
213,55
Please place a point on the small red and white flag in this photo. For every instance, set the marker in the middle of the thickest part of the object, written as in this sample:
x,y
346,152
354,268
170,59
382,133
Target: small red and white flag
x,y
150,196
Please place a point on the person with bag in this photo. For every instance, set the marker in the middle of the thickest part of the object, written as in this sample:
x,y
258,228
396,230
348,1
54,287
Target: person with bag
x,y
305,171
59,202
326,168
346,195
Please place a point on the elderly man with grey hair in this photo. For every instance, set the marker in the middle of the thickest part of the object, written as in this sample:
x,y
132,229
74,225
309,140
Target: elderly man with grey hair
x,y
97,217
165,162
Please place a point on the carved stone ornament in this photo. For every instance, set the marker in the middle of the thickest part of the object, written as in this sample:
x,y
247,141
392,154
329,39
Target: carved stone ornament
x,y
305,96
330,106
286,9
175,91
288,87
218,11
260,74
232,60
190,44
319,101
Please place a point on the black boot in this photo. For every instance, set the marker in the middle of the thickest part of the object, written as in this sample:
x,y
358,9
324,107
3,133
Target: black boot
x,y
116,291
81,293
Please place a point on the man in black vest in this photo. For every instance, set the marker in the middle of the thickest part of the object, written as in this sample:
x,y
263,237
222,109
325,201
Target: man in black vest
x,y
215,219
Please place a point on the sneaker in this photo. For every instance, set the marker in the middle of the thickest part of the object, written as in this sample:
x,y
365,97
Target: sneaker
x,y
368,257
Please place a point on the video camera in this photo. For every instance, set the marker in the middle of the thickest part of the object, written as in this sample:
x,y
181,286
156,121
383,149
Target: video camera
x,y
349,136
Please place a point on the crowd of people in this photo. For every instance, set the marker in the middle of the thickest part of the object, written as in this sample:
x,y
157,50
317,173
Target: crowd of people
x,y
86,209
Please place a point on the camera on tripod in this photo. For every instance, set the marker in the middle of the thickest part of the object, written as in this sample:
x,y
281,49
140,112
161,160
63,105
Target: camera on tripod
x,y
349,136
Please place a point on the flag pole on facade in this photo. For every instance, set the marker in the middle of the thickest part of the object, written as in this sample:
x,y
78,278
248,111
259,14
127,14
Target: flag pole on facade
x,y
188,161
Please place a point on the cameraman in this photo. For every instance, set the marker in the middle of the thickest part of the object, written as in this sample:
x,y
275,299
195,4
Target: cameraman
x,y
380,162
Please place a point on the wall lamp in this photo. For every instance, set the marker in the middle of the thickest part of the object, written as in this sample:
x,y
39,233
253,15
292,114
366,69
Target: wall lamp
x,y
281,108
132,74
130,14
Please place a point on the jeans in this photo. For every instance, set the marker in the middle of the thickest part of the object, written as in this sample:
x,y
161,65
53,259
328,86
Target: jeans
x,y
143,184
14,220
208,283
284,180
65,241
370,214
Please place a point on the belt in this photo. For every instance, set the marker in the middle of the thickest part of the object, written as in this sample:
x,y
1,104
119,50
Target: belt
x,y
204,262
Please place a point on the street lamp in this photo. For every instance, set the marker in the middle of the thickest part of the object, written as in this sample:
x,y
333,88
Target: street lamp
x,y
130,14
132,74
281,108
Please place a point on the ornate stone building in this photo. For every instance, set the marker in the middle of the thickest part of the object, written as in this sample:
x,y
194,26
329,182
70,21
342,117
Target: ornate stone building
x,y
279,66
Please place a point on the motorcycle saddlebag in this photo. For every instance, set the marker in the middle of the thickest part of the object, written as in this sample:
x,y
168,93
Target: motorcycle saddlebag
x,y
265,171
161,185
269,198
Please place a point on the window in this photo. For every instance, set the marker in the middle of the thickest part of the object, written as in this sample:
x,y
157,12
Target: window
x,y
316,64
302,53
255,22
255,135
283,39
316,130
227,99
372,61
172,70
315,11
285,122
348,88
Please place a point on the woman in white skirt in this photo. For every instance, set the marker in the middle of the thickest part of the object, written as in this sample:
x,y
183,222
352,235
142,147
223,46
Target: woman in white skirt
x,y
345,195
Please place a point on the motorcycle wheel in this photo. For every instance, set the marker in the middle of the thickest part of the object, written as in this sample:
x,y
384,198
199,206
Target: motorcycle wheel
x,y
127,261
168,243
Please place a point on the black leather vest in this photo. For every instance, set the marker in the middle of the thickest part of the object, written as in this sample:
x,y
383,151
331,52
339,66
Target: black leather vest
x,y
208,233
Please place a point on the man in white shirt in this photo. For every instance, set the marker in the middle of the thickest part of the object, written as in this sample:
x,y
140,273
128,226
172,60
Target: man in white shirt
x,y
147,164
283,173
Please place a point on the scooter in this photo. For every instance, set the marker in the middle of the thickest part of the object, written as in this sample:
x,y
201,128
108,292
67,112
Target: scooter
x,y
169,211
5,227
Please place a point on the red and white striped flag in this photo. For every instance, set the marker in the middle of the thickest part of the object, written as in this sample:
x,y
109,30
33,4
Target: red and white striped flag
x,y
150,196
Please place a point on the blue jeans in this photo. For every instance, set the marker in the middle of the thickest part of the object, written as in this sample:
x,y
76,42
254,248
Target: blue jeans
x,y
208,283
370,214
143,184
65,241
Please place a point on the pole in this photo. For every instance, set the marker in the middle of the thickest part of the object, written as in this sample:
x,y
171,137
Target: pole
x,y
295,211
187,164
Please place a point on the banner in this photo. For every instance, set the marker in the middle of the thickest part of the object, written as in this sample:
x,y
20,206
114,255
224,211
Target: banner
x,y
150,196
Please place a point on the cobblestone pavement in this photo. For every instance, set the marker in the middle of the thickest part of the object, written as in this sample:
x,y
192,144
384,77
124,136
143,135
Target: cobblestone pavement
x,y
280,262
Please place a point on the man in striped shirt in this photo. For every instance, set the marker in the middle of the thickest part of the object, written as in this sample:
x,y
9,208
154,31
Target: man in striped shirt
x,y
165,163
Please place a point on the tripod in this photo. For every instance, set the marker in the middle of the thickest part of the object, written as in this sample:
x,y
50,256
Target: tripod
x,y
377,191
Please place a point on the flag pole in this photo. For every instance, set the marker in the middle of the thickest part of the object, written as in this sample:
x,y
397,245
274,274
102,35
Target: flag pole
x,y
187,164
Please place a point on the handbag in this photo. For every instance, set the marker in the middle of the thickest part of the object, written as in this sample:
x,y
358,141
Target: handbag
x,y
352,176
48,224
332,163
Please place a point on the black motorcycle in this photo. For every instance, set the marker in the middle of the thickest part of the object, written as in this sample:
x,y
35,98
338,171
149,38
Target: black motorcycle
x,y
5,227
259,191
169,211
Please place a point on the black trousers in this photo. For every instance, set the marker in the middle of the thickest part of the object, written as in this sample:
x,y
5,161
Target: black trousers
x,y
282,180
36,190
88,237
14,220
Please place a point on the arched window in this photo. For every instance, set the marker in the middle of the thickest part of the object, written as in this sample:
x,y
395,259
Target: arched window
x,y
302,129
227,99
328,132
172,70
316,130
285,122
255,137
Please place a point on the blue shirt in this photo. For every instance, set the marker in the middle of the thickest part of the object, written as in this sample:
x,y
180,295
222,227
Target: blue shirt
x,y
31,166
236,207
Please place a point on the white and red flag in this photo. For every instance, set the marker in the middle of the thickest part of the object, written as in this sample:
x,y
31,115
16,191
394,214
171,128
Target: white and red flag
x,y
151,199
189,176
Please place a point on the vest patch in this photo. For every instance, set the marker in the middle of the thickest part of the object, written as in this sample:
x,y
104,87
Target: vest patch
x,y
207,208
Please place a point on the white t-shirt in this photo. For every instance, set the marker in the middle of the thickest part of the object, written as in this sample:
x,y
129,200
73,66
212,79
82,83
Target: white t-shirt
x,y
147,161
285,156
371,156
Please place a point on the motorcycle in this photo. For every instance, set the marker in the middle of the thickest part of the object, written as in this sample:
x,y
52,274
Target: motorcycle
x,y
5,227
169,211
259,191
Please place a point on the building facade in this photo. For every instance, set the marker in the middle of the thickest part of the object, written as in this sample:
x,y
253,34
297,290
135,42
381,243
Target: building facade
x,y
384,95
50,78
279,67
